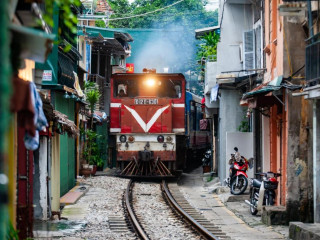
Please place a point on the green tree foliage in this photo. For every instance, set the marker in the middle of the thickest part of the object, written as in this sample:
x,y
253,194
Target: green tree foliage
x,y
208,45
67,18
91,152
100,23
189,13
121,8
93,95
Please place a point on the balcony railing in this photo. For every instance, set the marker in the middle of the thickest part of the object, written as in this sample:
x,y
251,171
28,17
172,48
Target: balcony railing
x,y
313,63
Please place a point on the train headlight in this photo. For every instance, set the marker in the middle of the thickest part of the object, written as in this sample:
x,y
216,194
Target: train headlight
x,y
131,139
169,139
123,138
160,139
150,82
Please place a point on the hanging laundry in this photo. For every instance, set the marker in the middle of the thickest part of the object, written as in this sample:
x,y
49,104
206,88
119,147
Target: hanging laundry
x,y
40,121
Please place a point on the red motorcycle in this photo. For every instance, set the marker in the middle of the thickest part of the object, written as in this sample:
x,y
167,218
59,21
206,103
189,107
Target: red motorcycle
x,y
238,180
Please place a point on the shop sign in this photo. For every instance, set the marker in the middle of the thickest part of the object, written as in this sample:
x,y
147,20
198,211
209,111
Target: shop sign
x,y
130,67
47,75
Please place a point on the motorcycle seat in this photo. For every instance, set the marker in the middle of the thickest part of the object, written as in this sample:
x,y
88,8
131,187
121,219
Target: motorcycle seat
x,y
256,183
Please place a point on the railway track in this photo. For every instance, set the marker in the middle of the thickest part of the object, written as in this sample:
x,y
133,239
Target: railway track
x,y
150,227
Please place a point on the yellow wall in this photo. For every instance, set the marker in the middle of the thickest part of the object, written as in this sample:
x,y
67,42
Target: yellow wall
x,y
27,72
12,168
55,174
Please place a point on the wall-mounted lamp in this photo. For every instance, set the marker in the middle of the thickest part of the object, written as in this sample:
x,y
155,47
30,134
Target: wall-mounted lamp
x,y
73,96
66,95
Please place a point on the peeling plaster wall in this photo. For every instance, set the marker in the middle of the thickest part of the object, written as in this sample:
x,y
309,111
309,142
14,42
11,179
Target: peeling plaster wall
x,y
40,180
299,166
299,159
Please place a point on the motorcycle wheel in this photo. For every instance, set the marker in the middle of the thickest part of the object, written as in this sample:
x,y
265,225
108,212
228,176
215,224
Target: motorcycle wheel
x,y
241,187
253,201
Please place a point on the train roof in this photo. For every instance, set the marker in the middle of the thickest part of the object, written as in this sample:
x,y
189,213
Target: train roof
x,y
194,97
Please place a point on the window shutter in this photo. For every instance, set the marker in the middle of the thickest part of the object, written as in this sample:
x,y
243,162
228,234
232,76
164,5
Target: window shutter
x,y
248,50
258,50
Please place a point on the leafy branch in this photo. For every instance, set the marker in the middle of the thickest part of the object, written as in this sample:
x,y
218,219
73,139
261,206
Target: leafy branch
x,y
91,150
68,17
208,46
93,95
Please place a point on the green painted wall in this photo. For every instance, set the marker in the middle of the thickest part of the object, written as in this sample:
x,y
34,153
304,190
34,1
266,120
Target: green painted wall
x,y
103,142
67,146
4,105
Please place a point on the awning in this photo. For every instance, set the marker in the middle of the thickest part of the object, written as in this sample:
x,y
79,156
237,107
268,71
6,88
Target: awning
x,y
261,95
263,89
35,44
201,32
95,32
67,125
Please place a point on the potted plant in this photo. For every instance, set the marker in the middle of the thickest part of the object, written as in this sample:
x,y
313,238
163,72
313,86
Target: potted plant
x,y
92,96
91,151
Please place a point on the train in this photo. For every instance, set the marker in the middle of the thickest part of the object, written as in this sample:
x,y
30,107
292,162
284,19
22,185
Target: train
x,y
154,124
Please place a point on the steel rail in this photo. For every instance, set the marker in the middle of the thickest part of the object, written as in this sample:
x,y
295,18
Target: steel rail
x,y
132,216
190,219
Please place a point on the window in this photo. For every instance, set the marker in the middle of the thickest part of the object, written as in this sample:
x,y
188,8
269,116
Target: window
x,y
248,50
161,88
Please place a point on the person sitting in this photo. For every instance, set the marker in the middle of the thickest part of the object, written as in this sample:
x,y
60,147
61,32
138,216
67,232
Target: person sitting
x,y
122,90
121,93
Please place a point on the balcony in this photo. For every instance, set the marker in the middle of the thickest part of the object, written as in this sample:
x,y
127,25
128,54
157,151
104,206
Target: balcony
x,y
313,64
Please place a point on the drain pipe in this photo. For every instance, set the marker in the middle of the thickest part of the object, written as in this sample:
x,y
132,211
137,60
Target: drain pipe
x,y
316,171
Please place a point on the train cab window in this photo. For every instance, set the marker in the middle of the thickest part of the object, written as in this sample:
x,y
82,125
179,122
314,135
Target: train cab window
x,y
178,90
122,90
162,88
174,91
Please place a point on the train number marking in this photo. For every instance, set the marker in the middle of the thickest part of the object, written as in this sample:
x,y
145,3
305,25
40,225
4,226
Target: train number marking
x,y
143,125
146,101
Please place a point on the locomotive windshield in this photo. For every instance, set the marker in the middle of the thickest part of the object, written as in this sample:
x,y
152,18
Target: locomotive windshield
x,y
148,87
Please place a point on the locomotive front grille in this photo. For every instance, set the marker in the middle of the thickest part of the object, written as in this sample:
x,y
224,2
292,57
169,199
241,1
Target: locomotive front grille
x,y
146,156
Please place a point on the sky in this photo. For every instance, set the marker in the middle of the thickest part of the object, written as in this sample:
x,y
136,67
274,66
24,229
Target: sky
x,y
212,4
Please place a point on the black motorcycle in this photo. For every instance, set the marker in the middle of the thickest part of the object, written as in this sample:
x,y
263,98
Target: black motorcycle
x,y
263,192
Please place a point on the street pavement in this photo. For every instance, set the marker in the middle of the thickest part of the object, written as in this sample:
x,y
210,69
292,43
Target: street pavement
x,y
233,217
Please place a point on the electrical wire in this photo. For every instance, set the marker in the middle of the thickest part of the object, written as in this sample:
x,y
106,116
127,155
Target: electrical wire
x,y
147,13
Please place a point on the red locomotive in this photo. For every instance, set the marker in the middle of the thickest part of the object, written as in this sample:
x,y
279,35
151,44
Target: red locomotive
x,y
147,122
